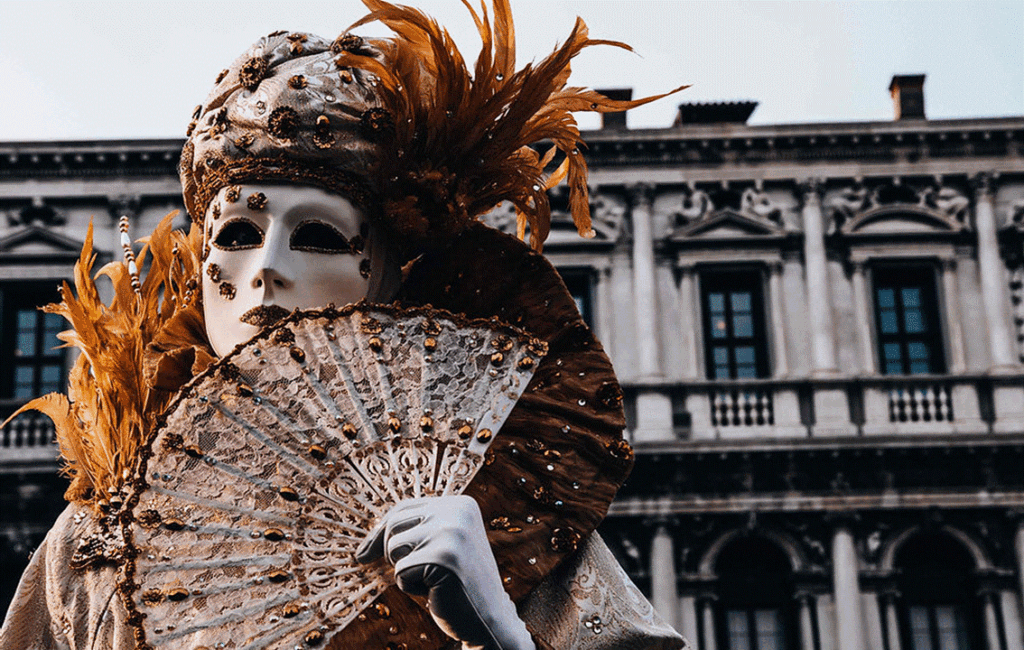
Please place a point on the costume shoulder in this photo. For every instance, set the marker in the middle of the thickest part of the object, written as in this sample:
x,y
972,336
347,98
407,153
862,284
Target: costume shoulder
x,y
57,607
588,603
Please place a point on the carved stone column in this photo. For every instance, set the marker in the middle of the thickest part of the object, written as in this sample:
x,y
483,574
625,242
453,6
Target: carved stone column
x,y
1012,628
707,613
690,323
993,276
664,594
951,295
992,634
645,304
806,621
780,353
846,591
1018,547
823,350
688,626
831,405
653,404
605,309
892,621
862,314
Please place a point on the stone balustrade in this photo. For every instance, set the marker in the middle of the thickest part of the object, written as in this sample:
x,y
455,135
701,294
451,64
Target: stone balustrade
x,y
875,405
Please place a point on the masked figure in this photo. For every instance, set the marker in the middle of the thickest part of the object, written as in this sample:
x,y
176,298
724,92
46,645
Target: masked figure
x,y
324,173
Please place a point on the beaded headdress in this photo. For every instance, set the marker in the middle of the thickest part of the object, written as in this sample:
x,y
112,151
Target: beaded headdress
x,y
402,125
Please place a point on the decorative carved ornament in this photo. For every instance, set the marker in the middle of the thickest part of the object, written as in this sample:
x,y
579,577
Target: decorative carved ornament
x,y
607,214
757,214
37,214
938,207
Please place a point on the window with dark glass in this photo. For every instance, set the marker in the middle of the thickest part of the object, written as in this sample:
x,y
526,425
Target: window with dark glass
x,y
580,285
907,321
735,345
937,585
755,597
28,338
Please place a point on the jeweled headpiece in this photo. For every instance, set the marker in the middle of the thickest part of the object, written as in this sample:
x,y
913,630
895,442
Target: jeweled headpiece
x,y
402,125
286,111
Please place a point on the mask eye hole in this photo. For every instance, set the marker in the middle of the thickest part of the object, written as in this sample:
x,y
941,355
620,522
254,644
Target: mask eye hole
x,y
320,237
239,234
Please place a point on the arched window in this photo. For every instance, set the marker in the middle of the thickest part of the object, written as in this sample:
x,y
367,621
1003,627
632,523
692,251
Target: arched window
x,y
755,597
939,607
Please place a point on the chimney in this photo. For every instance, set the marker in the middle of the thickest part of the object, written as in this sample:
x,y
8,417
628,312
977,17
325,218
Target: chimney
x,y
616,120
908,96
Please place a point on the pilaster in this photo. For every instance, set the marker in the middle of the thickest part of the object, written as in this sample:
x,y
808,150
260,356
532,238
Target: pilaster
x,y
846,591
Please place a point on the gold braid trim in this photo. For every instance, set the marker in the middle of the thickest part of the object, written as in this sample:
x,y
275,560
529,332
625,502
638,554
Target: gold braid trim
x,y
217,174
111,400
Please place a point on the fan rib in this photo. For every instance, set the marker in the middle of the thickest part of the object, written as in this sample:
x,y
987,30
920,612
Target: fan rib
x,y
285,453
289,423
252,560
239,473
231,616
353,393
258,515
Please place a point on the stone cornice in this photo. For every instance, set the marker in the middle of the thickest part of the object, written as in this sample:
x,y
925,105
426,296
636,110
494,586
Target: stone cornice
x,y
89,159
906,141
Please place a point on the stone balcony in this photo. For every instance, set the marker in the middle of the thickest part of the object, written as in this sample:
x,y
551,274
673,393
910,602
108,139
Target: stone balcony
x,y
26,443
703,410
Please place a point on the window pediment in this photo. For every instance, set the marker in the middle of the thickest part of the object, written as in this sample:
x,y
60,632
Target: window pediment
x,y
729,224
35,241
902,218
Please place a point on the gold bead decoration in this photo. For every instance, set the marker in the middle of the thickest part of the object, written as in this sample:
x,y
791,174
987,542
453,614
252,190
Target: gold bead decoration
x,y
173,524
288,493
298,354
278,576
273,534
394,424
177,594
245,390
497,358
383,610
291,610
484,435
430,344
526,363
152,597
317,452
426,423
315,637
349,430
193,451
376,344
465,431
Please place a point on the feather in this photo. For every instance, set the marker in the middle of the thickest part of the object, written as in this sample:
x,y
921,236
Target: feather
x,y
111,402
463,140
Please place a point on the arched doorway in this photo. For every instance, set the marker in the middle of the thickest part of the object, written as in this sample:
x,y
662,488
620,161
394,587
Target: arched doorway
x,y
755,597
939,607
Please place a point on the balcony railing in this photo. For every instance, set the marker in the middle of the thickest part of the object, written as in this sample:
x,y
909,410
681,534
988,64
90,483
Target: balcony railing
x,y
830,407
27,440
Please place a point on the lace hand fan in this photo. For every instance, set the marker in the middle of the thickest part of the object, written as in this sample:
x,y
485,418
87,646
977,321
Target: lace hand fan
x,y
272,466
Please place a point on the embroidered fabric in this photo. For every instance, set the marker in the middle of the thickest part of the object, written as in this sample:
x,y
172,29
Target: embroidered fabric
x,y
272,466
589,603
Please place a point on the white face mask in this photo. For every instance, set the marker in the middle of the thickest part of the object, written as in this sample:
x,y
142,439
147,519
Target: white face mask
x,y
275,248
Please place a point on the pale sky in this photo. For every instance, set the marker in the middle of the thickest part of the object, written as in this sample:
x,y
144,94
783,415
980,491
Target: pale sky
x,y
97,70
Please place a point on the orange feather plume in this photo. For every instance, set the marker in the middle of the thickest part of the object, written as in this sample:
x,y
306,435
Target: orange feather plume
x,y
111,404
462,138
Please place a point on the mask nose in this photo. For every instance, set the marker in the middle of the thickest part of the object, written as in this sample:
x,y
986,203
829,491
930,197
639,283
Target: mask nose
x,y
273,272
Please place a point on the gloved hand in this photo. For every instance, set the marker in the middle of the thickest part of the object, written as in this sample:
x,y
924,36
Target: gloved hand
x,y
439,549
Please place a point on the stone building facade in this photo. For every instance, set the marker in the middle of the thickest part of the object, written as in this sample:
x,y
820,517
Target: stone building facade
x,y
819,329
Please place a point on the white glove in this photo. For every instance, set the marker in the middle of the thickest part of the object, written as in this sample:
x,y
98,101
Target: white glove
x,y
439,549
